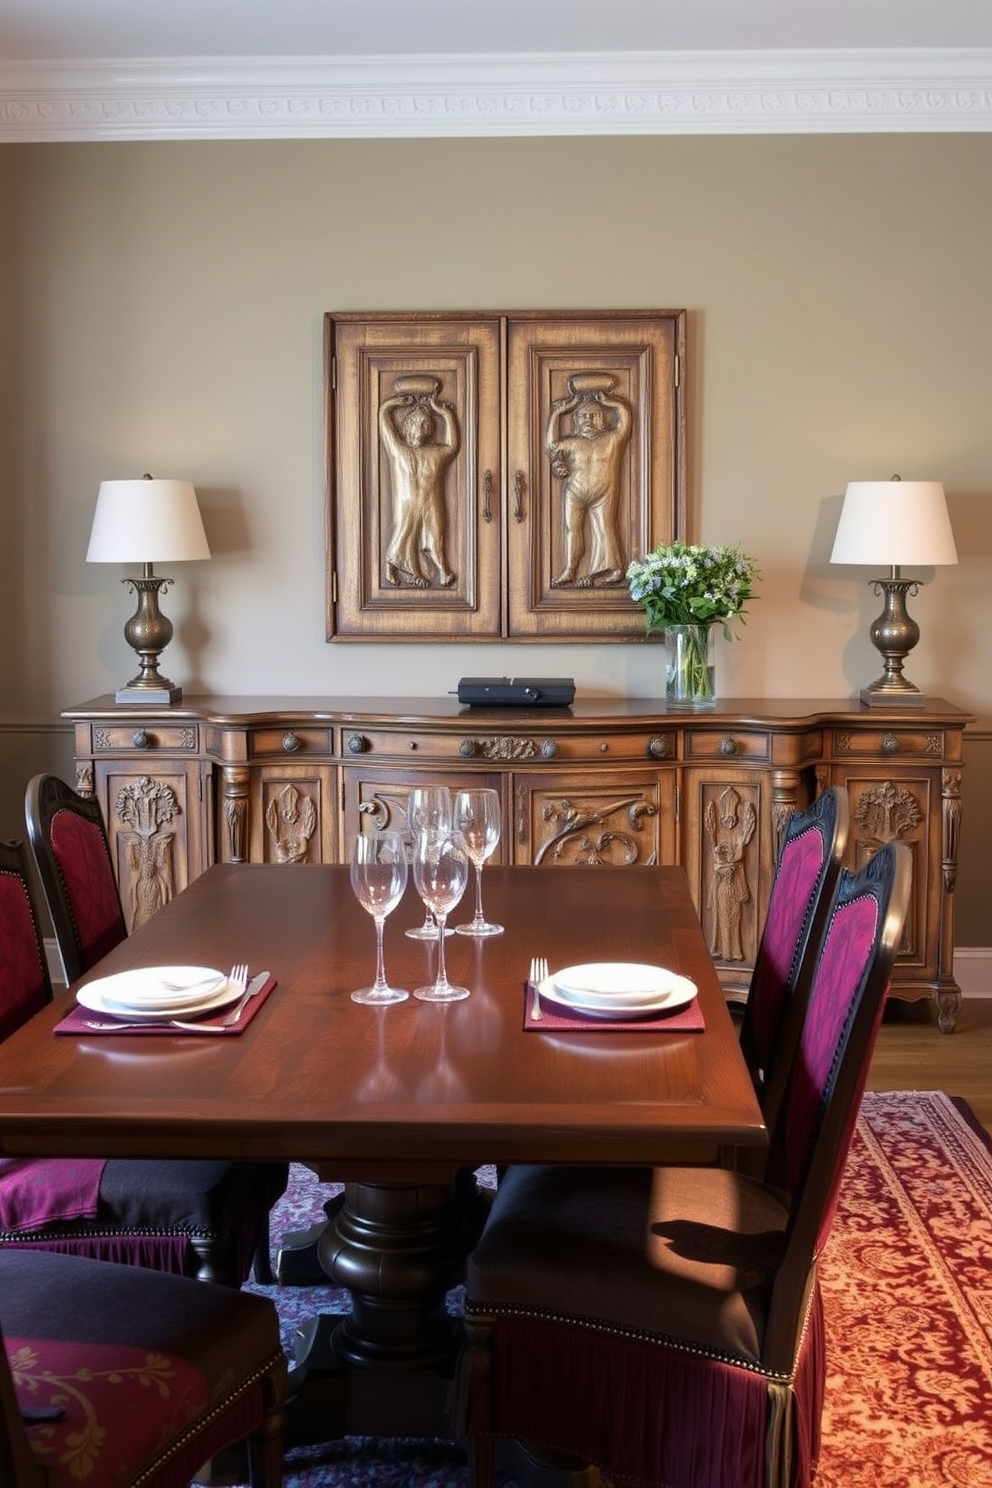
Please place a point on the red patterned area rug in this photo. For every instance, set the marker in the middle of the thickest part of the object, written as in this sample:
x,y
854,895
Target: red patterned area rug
x,y
907,1281
907,1284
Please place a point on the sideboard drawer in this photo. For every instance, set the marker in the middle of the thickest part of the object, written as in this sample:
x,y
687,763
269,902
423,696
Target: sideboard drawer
x,y
146,738
485,743
727,744
888,743
286,742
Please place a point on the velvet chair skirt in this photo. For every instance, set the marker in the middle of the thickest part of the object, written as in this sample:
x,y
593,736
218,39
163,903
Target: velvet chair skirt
x,y
645,1411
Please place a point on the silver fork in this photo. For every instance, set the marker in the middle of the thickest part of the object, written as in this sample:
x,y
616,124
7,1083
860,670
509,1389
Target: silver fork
x,y
538,974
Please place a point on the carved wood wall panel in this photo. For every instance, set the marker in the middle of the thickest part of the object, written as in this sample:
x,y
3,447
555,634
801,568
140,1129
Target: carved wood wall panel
x,y
491,476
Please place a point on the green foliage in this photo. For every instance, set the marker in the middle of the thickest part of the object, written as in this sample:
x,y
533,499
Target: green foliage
x,y
688,584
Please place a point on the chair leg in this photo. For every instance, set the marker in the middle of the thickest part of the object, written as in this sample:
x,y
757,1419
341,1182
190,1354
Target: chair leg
x,y
266,1446
261,1266
481,1461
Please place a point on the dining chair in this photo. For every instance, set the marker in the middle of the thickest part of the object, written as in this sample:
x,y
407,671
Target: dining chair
x,y
113,1376
806,873
201,1217
666,1324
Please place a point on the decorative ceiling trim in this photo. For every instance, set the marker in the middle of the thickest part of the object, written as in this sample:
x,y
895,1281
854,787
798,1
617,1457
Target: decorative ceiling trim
x,y
798,92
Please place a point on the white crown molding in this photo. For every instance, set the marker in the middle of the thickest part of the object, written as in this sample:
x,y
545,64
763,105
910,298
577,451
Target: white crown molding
x,y
769,92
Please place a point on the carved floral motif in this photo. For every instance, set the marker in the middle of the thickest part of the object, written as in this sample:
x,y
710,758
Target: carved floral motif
x,y
605,836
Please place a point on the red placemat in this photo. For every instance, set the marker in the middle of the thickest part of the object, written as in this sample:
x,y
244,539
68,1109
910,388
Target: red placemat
x,y
688,1019
82,1020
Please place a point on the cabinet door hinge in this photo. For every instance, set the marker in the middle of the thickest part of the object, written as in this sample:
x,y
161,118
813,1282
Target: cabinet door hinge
x,y
334,586
334,372
677,803
678,370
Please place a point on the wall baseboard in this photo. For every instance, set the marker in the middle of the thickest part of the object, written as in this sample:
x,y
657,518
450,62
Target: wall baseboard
x,y
973,971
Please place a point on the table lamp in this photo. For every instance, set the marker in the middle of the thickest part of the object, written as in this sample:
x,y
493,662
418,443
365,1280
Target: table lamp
x,y
147,521
894,522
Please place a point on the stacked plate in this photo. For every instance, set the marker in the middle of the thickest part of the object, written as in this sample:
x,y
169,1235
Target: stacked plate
x,y
617,989
159,993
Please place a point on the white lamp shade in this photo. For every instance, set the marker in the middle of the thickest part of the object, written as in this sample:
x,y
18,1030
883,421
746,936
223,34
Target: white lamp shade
x,y
894,522
146,521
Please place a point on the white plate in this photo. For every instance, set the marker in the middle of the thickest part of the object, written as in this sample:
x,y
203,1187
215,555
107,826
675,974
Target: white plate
x,y
602,990
144,988
618,983
95,996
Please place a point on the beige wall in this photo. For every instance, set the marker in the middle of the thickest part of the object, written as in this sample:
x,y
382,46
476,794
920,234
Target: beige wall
x,y
165,304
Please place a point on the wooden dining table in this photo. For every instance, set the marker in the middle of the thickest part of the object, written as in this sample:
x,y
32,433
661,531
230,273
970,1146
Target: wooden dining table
x,y
401,1103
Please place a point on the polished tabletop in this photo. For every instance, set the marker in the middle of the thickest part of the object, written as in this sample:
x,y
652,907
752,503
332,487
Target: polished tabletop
x,y
381,1092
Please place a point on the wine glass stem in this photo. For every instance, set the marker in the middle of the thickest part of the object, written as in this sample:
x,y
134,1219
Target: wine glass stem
x,y
380,963
441,980
478,894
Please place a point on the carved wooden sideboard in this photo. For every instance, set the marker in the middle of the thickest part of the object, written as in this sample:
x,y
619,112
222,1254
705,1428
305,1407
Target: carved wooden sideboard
x,y
605,783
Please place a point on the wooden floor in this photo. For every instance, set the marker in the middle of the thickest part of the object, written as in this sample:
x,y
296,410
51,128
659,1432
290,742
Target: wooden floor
x,y
912,1053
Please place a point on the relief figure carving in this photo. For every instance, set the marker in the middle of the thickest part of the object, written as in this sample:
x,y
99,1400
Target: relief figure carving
x,y
146,806
408,422
730,830
291,819
589,463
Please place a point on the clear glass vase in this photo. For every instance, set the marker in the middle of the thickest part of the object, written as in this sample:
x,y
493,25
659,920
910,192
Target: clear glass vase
x,y
690,670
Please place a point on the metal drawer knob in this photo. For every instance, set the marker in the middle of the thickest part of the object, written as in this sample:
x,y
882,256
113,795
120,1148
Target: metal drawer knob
x,y
658,747
140,739
290,742
357,744
549,749
728,745
467,748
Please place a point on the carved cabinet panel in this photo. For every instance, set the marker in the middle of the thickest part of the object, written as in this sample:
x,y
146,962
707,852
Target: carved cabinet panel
x,y
376,798
596,819
156,829
293,814
729,852
491,476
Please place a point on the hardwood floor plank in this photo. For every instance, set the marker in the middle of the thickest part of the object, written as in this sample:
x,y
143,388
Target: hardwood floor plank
x,y
912,1053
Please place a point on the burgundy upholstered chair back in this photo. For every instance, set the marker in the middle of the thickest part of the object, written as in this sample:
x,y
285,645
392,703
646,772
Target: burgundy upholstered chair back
x,y
812,1133
805,876
24,982
70,848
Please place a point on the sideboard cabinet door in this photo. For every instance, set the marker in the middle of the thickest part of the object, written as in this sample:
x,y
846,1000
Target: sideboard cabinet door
x,y
593,818
728,852
376,798
156,827
293,814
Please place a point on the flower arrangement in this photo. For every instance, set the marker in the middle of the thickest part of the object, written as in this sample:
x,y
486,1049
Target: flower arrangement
x,y
689,584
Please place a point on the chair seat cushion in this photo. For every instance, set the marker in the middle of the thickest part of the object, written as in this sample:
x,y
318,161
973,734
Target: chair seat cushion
x,y
133,1358
36,1191
200,1195
682,1253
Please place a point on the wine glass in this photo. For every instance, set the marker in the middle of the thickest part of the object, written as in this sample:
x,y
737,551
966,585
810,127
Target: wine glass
x,y
428,809
476,817
378,876
440,872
